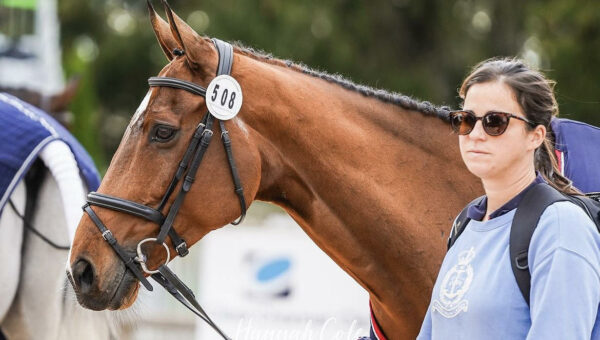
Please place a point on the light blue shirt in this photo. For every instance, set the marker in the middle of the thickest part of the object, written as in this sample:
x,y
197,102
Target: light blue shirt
x,y
476,295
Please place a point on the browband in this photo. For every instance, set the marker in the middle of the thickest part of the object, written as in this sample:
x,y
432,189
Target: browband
x,y
177,84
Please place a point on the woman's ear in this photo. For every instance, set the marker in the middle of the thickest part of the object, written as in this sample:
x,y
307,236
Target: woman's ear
x,y
537,137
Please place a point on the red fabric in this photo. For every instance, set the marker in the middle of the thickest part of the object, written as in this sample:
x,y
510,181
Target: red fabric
x,y
375,326
559,159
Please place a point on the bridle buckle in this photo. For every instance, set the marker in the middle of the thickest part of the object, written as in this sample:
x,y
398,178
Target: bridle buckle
x,y
107,235
182,249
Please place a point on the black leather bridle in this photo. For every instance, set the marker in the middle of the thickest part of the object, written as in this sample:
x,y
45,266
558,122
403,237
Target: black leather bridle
x,y
188,167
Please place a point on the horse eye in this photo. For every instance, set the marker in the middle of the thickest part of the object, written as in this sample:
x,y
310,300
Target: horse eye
x,y
163,133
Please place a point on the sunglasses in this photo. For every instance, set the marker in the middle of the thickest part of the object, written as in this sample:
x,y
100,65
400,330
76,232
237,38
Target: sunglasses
x,y
494,123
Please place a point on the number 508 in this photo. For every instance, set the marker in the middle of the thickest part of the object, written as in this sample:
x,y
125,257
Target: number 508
x,y
224,97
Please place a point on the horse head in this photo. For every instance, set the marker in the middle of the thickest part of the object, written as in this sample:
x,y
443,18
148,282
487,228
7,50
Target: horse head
x,y
149,156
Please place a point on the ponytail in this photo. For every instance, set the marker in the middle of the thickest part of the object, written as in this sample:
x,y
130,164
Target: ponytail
x,y
546,163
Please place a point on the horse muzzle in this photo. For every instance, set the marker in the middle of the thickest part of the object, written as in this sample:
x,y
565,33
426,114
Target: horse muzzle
x,y
115,291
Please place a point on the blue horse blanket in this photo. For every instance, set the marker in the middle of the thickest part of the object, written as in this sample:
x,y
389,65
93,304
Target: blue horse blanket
x,y
24,131
577,147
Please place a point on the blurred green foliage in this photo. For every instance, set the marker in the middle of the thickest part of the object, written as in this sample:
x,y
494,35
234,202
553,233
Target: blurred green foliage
x,y
421,48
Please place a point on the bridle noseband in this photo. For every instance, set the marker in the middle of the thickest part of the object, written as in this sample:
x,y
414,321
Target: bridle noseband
x,y
186,172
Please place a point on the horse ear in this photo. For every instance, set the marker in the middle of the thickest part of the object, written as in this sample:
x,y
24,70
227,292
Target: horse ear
x,y
60,102
162,32
191,42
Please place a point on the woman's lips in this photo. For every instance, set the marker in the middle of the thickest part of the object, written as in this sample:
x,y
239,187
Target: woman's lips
x,y
478,152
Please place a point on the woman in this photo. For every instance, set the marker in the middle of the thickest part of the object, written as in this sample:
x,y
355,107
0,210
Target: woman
x,y
502,137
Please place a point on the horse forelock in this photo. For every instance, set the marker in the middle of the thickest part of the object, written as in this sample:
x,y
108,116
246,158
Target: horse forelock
x,y
404,101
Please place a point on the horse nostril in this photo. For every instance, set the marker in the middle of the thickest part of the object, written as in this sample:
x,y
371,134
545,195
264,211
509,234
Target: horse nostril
x,y
83,274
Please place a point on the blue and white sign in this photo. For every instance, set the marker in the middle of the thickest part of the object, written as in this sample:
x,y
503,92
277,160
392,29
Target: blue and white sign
x,y
270,281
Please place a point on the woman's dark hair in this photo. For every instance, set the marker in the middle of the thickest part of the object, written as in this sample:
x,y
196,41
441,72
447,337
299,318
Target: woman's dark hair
x,y
535,95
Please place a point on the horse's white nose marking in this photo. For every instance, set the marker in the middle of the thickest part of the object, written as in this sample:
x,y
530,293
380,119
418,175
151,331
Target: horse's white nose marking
x,y
138,118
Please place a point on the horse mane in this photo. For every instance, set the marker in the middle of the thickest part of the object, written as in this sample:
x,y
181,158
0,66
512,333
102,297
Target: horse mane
x,y
404,101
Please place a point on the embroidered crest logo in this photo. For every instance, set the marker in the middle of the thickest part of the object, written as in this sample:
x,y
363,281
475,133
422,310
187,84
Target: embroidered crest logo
x,y
455,285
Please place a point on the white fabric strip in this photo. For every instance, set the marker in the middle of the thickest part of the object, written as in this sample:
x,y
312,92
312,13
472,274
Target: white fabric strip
x,y
57,156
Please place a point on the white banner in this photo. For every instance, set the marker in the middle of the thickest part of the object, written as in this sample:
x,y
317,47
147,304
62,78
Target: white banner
x,y
273,282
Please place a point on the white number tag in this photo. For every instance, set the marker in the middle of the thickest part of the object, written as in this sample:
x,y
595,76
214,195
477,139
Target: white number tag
x,y
224,97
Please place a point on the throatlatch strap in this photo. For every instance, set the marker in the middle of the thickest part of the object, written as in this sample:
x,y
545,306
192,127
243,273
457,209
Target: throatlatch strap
x,y
526,219
226,55
239,190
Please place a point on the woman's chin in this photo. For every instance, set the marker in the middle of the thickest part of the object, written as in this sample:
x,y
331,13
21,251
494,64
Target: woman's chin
x,y
481,170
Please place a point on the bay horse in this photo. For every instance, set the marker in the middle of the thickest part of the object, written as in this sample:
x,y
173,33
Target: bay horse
x,y
374,178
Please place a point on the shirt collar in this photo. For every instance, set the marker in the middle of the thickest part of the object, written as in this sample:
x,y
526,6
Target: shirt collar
x,y
477,211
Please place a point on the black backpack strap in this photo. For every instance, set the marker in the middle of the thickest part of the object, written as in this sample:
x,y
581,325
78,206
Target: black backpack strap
x,y
590,203
461,222
526,219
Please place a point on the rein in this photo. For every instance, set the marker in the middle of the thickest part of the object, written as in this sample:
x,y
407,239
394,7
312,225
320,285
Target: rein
x,y
188,166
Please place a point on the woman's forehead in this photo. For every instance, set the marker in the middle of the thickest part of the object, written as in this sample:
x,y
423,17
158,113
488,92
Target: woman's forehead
x,y
491,96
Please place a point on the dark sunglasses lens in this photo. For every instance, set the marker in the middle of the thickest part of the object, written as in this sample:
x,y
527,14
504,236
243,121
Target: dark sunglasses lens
x,y
495,123
462,122
455,120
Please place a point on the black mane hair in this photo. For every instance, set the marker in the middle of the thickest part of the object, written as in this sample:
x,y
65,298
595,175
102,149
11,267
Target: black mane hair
x,y
404,101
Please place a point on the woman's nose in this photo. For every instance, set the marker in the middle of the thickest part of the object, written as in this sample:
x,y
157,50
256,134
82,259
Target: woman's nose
x,y
478,132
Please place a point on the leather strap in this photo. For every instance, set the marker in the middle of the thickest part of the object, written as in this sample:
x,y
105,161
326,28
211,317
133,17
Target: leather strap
x,y
183,294
187,183
177,84
30,227
526,219
239,190
182,165
226,56
225,51
127,258
126,206
178,243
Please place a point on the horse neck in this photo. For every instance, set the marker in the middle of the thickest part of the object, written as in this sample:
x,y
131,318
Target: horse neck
x,y
368,181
